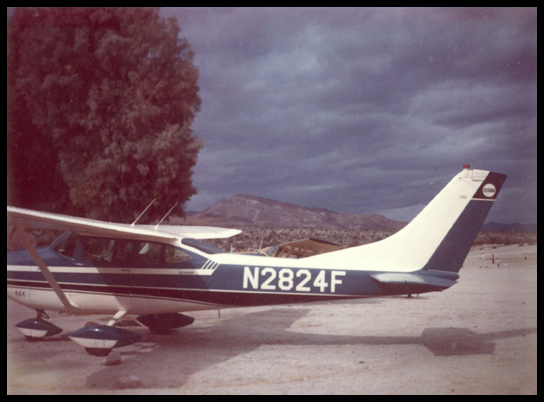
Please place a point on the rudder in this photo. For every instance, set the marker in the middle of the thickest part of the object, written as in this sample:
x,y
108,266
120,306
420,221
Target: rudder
x,y
452,251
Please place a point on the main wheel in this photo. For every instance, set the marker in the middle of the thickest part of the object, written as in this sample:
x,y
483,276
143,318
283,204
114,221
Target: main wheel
x,y
161,324
99,352
160,329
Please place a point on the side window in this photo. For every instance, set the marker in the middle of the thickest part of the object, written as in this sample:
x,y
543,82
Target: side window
x,y
123,252
149,253
174,255
119,253
98,250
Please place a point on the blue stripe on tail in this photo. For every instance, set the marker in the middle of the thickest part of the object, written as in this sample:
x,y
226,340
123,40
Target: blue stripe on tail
x,y
452,252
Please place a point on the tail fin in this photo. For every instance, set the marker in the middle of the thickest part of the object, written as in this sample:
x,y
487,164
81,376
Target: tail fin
x,y
438,239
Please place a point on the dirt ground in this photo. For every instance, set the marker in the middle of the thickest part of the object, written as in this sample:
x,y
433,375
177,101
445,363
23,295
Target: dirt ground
x,y
479,337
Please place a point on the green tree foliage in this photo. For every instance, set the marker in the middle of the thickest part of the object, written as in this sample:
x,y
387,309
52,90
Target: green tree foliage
x,y
100,107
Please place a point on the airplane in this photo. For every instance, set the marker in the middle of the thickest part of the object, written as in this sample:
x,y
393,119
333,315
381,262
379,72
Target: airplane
x,y
158,273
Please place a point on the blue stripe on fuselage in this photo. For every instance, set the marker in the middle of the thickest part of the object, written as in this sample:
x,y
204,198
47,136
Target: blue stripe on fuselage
x,y
227,278
233,285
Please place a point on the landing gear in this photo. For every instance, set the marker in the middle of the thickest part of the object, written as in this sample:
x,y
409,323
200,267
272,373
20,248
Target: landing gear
x,y
35,329
98,352
161,324
99,340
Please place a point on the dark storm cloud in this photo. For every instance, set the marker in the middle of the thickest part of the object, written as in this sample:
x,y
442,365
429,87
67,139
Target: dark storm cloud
x,y
364,110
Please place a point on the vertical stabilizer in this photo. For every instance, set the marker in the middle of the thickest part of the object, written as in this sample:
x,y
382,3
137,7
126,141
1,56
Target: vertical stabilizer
x,y
439,238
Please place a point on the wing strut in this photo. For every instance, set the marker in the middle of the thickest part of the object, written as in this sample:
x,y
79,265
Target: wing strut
x,y
45,270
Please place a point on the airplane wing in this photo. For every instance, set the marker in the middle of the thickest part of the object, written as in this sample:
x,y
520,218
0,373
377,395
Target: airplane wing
x,y
90,227
194,232
24,218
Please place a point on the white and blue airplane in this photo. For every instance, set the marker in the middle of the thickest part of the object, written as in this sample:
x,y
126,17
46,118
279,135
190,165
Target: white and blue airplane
x,y
158,273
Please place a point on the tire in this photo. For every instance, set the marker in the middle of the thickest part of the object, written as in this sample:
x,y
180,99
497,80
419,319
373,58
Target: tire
x,y
98,352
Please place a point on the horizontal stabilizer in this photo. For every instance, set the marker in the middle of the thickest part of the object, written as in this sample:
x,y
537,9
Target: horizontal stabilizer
x,y
408,283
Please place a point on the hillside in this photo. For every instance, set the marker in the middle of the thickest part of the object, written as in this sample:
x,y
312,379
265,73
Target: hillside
x,y
249,210
510,227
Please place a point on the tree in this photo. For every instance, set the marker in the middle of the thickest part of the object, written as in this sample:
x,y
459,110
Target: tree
x,y
100,107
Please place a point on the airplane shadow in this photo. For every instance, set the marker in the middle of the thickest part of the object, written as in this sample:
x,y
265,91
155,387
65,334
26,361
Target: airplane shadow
x,y
190,350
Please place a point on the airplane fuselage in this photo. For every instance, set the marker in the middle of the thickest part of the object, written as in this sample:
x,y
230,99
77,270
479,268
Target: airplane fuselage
x,y
204,281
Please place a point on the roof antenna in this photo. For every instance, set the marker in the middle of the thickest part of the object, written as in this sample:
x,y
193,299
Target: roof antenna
x,y
168,213
139,216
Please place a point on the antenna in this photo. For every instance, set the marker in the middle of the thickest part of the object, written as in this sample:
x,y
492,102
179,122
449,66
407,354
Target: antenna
x,y
139,216
168,213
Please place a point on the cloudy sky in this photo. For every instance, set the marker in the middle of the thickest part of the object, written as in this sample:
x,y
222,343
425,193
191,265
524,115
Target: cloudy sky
x,y
364,110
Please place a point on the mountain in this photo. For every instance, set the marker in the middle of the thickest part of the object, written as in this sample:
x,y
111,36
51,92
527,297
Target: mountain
x,y
249,210
510,227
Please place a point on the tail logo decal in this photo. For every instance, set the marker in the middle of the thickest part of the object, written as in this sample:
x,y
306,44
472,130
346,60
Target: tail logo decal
x,y
489,190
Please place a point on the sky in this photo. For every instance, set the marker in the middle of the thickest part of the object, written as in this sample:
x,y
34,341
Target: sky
x,y
363,110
